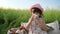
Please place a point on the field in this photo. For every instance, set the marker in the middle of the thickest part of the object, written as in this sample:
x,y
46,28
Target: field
x,y
10,18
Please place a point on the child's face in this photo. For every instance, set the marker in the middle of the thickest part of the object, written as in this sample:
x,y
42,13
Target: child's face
x,y
36,13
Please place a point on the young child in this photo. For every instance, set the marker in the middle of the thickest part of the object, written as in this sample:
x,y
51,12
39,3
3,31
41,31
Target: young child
x,y
36,24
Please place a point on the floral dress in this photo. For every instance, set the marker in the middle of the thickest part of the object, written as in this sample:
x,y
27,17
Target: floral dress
x,y
35,28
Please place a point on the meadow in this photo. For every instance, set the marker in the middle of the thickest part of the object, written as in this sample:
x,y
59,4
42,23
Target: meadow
x,y
11,18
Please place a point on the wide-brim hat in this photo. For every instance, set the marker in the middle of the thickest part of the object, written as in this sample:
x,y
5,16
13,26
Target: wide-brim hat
x,y
37,6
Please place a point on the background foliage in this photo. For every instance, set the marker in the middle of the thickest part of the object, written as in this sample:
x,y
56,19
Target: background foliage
x,y
10,18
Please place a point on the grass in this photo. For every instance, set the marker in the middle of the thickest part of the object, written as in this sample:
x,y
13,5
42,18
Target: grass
x,y
13,17
51,15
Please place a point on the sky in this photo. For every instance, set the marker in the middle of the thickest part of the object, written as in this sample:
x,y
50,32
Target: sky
x,y
26,4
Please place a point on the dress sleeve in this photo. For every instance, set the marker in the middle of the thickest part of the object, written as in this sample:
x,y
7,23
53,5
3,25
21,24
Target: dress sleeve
x,y
33,17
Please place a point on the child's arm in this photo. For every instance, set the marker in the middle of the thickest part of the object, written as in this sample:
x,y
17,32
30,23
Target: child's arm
x,y
41,23
29,22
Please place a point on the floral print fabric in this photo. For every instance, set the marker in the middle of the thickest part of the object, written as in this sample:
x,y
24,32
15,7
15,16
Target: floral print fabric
x,y
35,28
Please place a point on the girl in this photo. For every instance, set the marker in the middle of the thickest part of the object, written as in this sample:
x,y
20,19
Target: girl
x,y
36,24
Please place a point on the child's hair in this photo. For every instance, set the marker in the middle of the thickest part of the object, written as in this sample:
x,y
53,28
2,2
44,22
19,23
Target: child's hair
x,y
38,11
